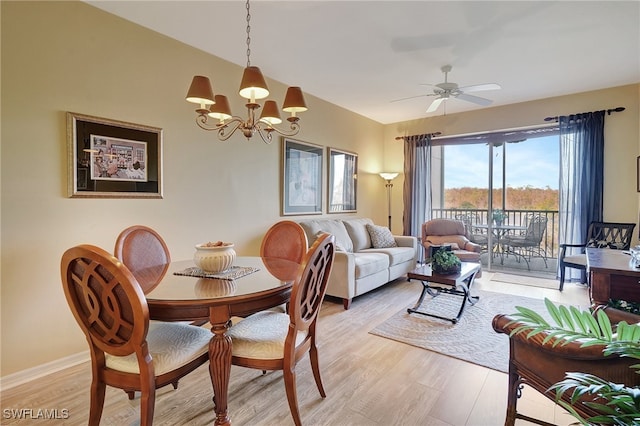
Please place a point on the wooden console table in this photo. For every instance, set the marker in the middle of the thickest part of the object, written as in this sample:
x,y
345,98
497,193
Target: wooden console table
x,y
612,276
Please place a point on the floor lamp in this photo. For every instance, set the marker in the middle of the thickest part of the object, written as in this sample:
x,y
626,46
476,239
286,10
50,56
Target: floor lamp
x,y
389,177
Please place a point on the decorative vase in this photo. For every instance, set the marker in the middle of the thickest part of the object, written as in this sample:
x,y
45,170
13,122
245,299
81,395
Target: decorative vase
x,y
214,259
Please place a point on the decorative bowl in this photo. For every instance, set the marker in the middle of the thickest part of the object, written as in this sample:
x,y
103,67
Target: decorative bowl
x,y
214,259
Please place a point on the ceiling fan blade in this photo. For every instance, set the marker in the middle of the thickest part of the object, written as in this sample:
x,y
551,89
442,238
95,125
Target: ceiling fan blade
x,y
435,104
480,87
412,97
474,99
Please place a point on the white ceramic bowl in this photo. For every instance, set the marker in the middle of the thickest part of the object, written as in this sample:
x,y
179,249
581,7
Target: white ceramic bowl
x,y
214,259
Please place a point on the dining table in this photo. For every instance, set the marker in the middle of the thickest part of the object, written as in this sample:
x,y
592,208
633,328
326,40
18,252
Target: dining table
x,y
499,231
186,293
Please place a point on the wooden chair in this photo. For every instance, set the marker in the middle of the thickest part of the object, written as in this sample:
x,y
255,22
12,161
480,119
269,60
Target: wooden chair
x,y
285,240
601,235
270,340
127,352
145,253
540,364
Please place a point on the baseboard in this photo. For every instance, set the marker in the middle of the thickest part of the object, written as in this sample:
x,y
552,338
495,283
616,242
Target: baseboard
x,y
24,376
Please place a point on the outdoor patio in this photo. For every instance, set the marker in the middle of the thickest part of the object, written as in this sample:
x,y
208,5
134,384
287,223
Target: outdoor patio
x,y
513,265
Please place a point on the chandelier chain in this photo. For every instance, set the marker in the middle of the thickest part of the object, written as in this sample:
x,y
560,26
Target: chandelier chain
x,y
248,35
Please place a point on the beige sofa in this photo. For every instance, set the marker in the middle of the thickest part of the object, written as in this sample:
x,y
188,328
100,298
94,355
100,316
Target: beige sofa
x,y
358,266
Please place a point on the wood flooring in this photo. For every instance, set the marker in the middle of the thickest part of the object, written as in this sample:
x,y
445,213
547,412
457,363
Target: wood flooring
x,y
369,380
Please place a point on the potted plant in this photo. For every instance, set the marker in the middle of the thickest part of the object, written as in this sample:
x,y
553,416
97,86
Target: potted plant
x,y
445,262
617,404
498,216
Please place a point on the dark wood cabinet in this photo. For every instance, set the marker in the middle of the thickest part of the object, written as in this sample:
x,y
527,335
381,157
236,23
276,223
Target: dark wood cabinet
x,y
612,276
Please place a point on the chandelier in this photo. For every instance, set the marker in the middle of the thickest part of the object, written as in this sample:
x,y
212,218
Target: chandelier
x,y
252,88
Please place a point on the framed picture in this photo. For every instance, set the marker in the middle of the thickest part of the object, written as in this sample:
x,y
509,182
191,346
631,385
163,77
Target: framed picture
x,y
343,179
113,159
638,174
301,178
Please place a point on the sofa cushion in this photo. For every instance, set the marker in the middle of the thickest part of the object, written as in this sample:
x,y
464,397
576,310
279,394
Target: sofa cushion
x,y
397,255
381,236
370,263
357,229
334,227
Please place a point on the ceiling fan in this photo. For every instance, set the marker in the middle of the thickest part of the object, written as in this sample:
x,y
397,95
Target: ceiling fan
x,y
447,90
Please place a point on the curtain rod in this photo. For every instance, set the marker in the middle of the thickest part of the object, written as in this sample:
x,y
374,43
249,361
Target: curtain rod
x,y
419,136
609,111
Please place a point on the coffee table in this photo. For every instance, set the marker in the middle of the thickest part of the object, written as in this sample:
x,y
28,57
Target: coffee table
x,y
457,284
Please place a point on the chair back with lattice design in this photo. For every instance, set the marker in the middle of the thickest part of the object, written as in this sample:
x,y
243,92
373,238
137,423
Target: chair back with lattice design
x,y
610,235
145,254
536,227
310,286
105,300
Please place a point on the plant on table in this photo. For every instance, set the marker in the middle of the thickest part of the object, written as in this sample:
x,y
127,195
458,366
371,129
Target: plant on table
x,y
498,216
444,261
618,404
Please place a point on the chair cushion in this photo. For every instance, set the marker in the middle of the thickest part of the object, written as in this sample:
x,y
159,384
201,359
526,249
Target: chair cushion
x,y
357,229
171,345
381,236
577,259
261,335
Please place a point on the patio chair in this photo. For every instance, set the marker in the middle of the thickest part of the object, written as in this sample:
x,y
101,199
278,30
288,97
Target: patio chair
x,y
472,233
609,235
530,244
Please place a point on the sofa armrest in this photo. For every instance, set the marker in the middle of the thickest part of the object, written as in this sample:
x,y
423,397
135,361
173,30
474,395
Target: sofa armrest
x,y
406,241
342,279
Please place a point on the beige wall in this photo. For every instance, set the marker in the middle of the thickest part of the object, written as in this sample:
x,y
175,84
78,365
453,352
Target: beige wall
x,y
68,56
622,138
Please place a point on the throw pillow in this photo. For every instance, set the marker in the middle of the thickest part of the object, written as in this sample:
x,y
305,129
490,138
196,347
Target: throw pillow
x,y
381,236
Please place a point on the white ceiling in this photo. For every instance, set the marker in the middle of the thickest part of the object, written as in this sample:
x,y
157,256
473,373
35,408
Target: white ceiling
x,y
361,55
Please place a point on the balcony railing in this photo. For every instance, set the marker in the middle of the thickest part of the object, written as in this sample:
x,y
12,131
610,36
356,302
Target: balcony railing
x,y
549,244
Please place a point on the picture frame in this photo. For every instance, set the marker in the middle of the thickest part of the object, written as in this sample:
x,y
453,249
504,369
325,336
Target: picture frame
x,y
342,183
301,177
113,159
638,174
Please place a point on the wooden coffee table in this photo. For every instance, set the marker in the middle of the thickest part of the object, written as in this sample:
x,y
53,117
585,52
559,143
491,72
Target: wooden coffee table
x,y
457,284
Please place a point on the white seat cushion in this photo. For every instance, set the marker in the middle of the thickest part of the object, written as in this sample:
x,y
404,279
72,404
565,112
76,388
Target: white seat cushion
x,y
261,335
171,345
578,259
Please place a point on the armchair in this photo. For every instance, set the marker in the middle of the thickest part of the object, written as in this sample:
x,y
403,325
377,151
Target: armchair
x,y
450,232
600,234
540,365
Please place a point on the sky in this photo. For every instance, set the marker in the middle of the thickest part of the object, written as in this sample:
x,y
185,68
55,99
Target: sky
x,y
534,162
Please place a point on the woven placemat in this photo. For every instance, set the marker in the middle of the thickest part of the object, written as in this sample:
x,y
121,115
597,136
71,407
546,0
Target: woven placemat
x,y
232,273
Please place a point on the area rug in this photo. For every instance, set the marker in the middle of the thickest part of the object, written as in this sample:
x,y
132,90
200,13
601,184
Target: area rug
x,y
524,280
472,339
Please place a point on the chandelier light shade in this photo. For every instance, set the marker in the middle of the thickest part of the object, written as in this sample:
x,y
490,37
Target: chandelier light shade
x,y
200,91
252,87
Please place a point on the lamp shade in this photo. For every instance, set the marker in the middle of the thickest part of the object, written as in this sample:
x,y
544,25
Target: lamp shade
x,y
270,114
294,101
388,176
253,85
220,109
200,91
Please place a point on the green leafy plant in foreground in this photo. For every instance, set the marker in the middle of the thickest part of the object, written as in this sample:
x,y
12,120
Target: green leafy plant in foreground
x,y
617,404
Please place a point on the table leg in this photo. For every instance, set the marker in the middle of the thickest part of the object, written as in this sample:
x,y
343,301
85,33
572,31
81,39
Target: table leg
x,y
220,370
464,291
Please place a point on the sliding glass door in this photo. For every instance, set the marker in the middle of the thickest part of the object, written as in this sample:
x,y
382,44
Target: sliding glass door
x,y
496,186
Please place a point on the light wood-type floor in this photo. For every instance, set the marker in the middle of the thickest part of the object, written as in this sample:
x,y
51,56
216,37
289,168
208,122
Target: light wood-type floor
x,y
369,380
